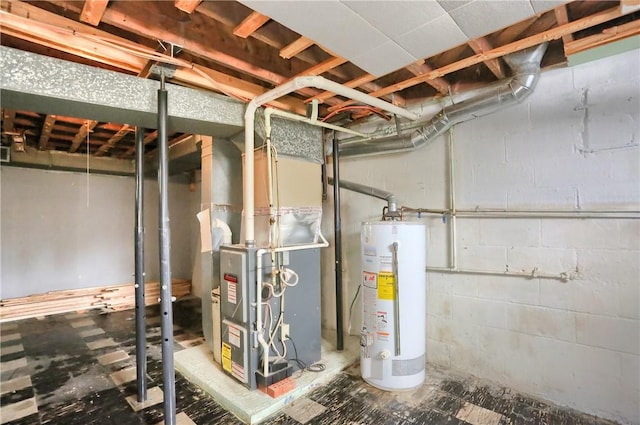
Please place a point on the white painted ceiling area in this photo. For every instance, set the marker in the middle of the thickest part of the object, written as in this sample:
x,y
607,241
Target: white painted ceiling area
x,y
385,35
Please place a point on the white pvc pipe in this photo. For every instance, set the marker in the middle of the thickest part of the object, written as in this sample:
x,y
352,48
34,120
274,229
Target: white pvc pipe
x,y
259,253
288,87
271,111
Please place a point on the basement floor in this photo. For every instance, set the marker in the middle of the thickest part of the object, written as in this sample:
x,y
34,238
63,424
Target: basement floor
x,y
80,368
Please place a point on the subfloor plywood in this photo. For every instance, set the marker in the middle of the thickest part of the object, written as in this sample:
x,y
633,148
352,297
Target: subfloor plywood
x,y
254,406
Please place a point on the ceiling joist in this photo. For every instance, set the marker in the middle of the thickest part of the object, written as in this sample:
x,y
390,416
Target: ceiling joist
x,y
93,10
47,128
8,119
534,40
82,135
250,24
187,5
124,130
481,45
296,47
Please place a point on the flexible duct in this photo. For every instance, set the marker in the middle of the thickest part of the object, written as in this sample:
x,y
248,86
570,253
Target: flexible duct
x,y
526,69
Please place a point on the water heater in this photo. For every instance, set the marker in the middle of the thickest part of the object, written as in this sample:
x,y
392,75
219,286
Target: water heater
x,y
393,337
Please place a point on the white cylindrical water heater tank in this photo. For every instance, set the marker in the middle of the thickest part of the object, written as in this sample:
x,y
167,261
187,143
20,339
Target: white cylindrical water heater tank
x,y
394,304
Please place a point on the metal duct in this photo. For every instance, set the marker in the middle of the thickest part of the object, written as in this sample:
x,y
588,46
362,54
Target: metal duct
x,y
368,190
526,69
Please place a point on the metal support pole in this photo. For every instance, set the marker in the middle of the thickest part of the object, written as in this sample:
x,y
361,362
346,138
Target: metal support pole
x,y
338,243
141,330
166,308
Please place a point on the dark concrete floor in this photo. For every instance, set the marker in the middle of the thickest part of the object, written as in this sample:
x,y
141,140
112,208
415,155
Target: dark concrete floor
x,y
56,370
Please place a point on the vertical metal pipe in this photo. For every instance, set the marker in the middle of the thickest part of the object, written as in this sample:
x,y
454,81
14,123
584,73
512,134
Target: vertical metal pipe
x,y
453,250
141,330
338,243
166,308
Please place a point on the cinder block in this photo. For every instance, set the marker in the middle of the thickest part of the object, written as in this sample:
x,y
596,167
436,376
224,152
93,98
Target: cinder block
x,y
534,197
438,304
554,138
629,300
541,321
571,171
595,367
625,163
550,260
510,233
559,365
616,69
279,388
608,265
521,364
622,195
468,231
507,288
464,284
563,233
440,282
479,311
471,196
580,295
504,176
630,366
629,234
612,333
482,257
438,353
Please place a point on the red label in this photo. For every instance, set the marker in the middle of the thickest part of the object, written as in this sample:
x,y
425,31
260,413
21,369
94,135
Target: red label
x,y
231,277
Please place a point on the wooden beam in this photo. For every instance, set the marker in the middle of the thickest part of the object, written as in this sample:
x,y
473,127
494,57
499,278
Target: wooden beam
x,y
534,40
562,18
170,143
124,130
155,28
323,66
147,139
47,127
187,5
421,67
36,25
250,24
296,47
8,118
481,45
38,22
81,135
606,36
93,10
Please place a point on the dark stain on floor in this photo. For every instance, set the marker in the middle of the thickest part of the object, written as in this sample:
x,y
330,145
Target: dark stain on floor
x,y
72,388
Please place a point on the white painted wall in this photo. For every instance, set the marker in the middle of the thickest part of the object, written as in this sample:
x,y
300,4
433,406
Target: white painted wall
x,y
56,235
572,144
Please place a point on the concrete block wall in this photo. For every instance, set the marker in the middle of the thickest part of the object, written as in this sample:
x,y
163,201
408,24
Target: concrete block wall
x,y
573,144
55,234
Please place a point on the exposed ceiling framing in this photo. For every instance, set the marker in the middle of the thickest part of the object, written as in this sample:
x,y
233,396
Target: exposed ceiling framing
x,y
228,48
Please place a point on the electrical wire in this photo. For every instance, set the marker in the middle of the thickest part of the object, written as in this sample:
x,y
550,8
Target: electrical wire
x,y
355,297
357,107
286,275
316,367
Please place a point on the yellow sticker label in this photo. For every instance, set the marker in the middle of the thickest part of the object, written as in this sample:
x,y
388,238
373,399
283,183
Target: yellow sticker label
x,y
386,286
226,357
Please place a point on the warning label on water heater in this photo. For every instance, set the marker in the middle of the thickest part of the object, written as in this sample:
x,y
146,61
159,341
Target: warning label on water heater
x,y
386,286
